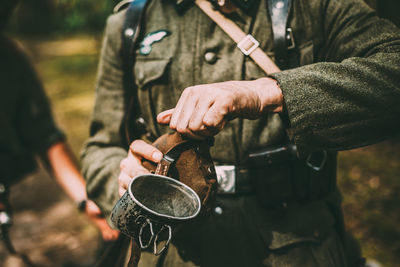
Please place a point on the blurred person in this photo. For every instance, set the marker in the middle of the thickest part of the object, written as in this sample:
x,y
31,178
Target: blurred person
x,y
338,89
29,131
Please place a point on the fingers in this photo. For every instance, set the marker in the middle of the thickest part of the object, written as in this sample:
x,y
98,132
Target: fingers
x,y
110,235
196,121
185,115
131,166
121,191
95,215
107,232
140,148
123,181
194,104
215,117
178,108
165,117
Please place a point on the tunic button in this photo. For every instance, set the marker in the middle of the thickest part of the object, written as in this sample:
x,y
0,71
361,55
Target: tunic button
x,y
279,4
218,210
129,32
210,57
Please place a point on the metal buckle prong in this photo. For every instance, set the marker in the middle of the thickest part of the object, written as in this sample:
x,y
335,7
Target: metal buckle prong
x,y
249,38
321,164
290,38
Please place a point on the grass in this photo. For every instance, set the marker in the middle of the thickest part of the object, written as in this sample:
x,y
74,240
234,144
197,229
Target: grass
x,y
69,83
369,180
368,177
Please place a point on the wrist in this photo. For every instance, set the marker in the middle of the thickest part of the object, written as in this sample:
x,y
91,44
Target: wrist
x,y
270,95
81,205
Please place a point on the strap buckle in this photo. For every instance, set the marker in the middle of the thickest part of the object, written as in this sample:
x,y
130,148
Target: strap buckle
x,y
248,44
226,178
5,219
290,39
317,160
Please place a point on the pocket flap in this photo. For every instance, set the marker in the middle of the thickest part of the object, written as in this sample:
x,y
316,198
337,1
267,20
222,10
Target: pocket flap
x,y
148,70
294,223
280,240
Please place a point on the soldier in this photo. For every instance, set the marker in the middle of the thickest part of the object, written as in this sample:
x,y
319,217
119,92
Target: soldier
x,y
276,135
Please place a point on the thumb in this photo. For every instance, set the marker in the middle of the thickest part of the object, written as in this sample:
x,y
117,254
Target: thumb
x,y
165,116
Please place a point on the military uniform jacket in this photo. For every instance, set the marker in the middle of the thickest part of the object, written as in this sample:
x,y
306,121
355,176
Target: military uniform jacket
x,y
343,94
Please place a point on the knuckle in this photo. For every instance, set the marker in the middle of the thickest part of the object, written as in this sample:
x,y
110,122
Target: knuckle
x,y
123,164
194,126
181,129
120,182
209,123
172,125
121,192
135,144
187,91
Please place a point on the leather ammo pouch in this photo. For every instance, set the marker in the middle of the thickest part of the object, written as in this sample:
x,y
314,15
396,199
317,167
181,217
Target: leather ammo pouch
x,y
278,176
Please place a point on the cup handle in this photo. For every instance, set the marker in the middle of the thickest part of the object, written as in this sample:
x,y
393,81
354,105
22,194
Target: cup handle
x,y
145,223
164,227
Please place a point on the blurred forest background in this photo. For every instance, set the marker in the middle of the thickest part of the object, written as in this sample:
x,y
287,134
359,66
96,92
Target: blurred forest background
x,y
63,37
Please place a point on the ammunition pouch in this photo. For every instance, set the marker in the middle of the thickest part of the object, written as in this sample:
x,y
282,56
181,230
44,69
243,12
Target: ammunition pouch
x,y
277,176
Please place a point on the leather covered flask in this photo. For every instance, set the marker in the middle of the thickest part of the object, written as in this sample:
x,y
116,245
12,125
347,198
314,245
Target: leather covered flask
x,y
190,162
180,189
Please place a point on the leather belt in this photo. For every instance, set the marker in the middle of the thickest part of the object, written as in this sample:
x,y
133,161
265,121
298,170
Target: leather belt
x,y
233,179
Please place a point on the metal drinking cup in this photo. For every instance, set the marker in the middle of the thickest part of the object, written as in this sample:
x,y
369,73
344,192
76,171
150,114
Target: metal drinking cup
x,y
154,206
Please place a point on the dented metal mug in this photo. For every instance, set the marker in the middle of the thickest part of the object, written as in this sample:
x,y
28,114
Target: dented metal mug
x,y
154,205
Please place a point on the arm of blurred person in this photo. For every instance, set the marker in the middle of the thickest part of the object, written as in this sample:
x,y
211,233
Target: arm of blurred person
x,y
65,168
34,131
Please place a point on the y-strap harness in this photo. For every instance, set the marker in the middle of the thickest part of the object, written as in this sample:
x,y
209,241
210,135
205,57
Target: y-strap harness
x,y
283,42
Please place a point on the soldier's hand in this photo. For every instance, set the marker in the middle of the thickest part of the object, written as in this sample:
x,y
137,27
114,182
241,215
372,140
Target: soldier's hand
x,y
131,166
204,110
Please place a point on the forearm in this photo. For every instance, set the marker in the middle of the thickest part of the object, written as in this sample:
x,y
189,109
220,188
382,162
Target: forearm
x,y
331,108
351,98
66,171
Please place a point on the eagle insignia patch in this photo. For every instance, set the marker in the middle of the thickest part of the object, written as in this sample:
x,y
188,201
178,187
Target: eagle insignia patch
x,y
150,39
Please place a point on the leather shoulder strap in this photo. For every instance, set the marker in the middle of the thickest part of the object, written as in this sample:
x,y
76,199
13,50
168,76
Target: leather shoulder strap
x,y
133,126
246,43
279,13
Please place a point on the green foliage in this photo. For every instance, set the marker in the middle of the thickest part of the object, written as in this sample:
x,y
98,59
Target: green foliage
x,y
61,16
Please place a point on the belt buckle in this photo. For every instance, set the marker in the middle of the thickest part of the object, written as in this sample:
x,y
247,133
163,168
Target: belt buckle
x,y
226,177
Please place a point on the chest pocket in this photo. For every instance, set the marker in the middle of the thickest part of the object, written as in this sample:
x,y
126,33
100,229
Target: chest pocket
x,y
155,92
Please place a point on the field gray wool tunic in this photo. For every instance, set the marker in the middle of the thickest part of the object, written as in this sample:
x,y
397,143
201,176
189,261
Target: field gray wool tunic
x,y
344,94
